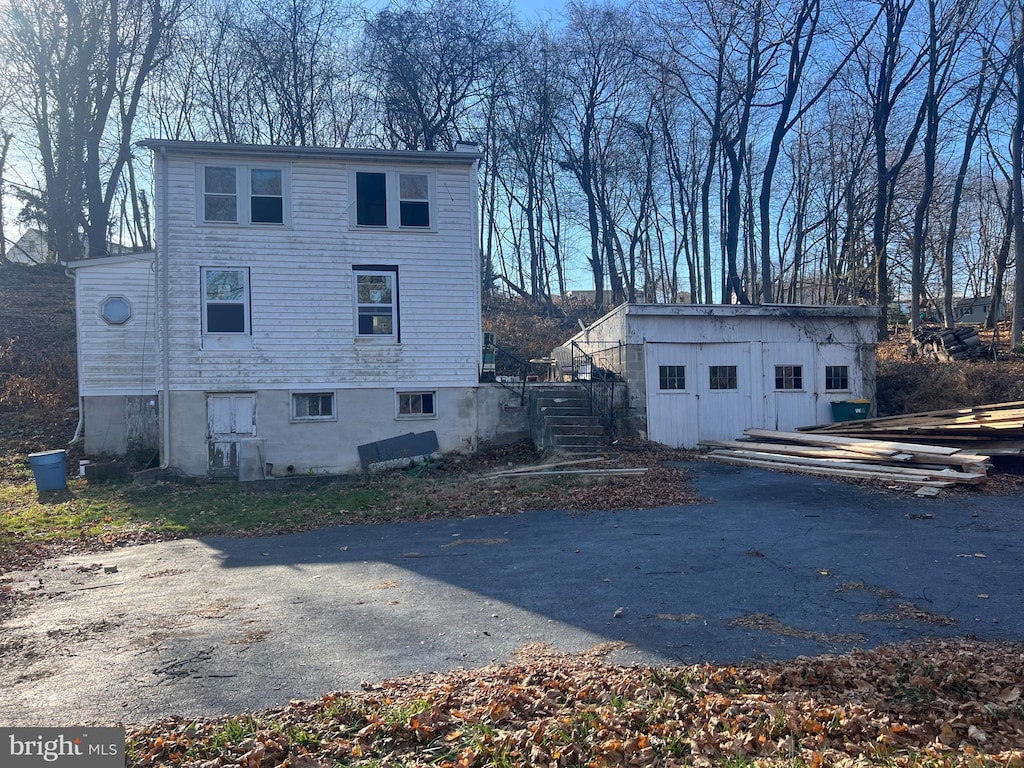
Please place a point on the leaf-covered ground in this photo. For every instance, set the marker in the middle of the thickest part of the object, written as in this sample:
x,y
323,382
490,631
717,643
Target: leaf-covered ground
x,y
937,703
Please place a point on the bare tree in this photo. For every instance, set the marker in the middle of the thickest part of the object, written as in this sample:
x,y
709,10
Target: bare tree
x,y
429,64
83,68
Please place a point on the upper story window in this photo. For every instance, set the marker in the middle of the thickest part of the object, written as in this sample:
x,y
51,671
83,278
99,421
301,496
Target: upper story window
x,y
371,199
266,196
394,199
220,194
414,199
262,191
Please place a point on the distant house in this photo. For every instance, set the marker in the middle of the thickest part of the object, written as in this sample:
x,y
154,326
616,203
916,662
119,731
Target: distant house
x,y
975,311
708,372
301,302
31,248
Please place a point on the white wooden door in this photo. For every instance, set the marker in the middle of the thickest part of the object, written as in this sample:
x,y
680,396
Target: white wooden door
x,y
231,417
672,400
790,396
727,386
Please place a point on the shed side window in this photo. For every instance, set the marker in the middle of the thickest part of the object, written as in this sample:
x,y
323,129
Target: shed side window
x,y
837,377
671,377
789,377
722,377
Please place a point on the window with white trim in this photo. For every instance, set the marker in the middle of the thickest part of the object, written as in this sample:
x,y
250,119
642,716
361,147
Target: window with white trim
x,y
789,377
414,199
417,405
313,406
225,300
722,377
220,194
243,194
671,377
837,377
376,304
115,310
393,199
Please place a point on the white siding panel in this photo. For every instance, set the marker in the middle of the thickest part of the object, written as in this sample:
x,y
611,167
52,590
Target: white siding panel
x,y
117,359
301,289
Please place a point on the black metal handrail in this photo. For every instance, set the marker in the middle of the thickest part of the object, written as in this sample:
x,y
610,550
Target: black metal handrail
x,y
504,364
599,384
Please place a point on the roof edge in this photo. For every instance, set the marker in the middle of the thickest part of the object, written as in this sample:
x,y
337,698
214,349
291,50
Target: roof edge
x,y
456,157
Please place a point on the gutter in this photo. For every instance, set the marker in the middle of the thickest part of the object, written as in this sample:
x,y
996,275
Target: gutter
x,y
160,261
78,362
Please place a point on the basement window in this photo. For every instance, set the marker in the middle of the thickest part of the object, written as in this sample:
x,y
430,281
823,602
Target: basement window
x,y
789,377
417,405
313,406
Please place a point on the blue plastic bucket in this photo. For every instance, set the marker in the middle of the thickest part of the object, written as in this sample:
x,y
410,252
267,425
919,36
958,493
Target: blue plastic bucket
x,y
50,470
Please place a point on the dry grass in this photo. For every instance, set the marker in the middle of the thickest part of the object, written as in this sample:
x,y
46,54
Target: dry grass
x,y
37,339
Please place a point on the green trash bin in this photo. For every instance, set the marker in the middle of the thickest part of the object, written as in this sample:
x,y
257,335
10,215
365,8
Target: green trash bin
x,y
849,410
50,470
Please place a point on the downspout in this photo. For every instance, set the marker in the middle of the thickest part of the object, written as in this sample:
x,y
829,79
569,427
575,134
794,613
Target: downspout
x,y
164,312
78,362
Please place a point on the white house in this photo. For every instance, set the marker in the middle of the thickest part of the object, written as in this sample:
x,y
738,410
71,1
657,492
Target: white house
x,y
702,372
301,302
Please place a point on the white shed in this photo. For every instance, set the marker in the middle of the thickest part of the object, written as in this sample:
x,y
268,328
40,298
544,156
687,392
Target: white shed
x,y
703,372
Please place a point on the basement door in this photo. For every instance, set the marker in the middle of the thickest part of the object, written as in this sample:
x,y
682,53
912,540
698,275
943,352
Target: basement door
x,y
232,418
700,391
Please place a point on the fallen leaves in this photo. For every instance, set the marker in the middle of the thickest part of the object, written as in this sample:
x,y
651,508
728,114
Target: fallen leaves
x,y
942,703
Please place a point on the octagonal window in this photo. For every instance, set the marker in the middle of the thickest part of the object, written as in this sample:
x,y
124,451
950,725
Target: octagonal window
x,y
116,310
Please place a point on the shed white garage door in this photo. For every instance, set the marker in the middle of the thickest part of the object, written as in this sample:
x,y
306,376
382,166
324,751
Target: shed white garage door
x,y
701,391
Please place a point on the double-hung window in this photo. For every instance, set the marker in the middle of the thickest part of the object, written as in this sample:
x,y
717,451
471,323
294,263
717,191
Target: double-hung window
x,y
243,194
394,199
220,194
376,304
225,300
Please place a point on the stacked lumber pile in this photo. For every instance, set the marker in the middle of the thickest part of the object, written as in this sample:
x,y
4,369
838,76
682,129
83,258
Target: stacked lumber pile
x,y
946,344
926,466
994,430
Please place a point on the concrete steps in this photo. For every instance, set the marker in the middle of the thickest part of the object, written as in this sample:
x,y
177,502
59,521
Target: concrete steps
x,y
562,421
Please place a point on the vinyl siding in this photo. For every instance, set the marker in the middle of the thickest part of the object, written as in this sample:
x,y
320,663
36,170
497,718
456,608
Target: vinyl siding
x,y
116,359
301,286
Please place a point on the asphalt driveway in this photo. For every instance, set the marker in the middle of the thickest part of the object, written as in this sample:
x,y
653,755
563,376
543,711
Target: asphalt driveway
x,y
772,566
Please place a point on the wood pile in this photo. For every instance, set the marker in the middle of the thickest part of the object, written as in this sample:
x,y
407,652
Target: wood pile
x,y
993,430
927,466
946,344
